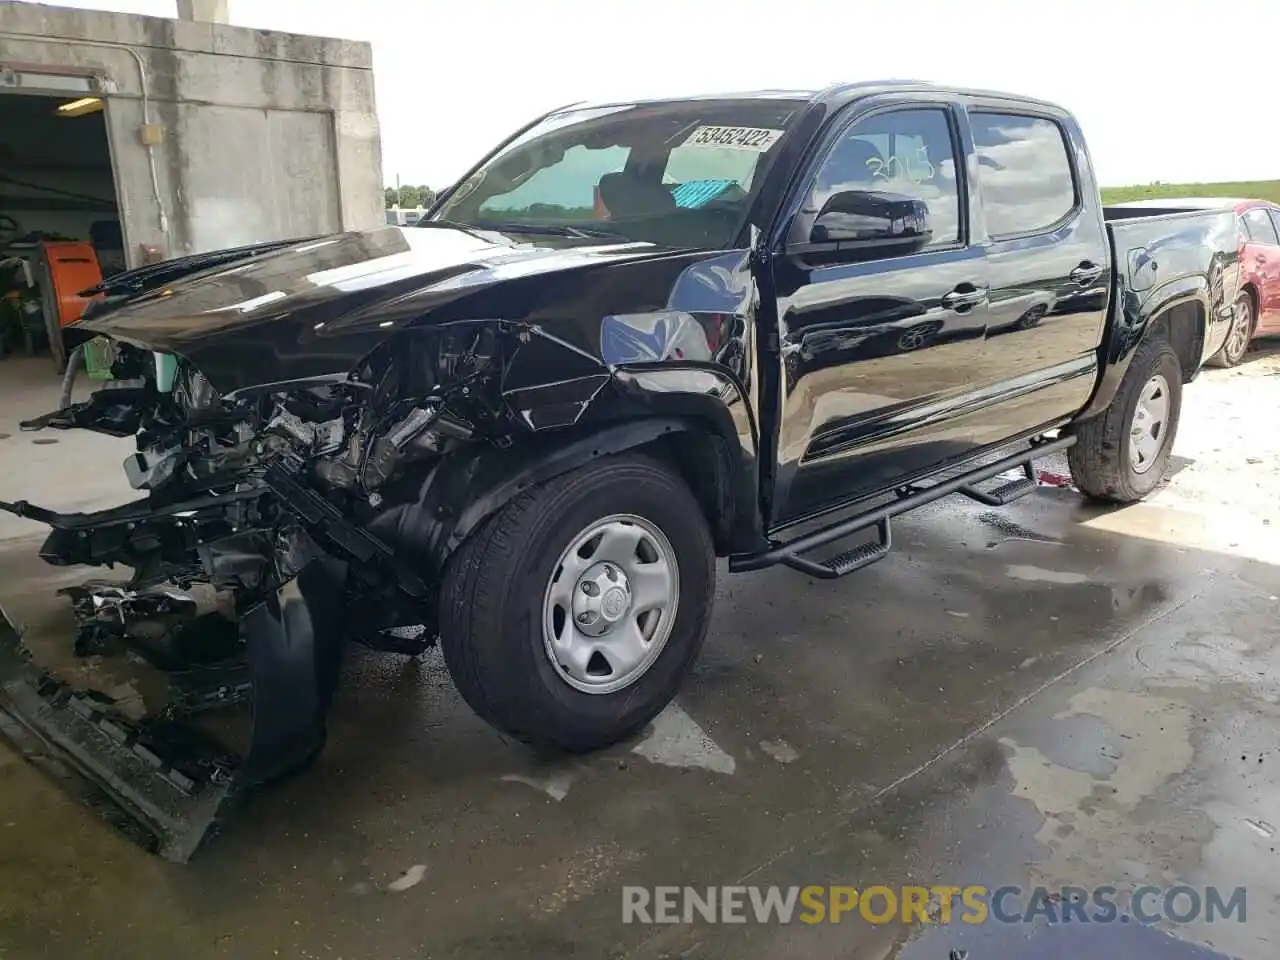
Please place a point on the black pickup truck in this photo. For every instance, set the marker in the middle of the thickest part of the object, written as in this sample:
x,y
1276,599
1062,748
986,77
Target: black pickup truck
x,y
632,339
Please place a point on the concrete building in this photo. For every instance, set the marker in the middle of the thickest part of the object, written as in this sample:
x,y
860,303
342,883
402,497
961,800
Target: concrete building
x,y
150,137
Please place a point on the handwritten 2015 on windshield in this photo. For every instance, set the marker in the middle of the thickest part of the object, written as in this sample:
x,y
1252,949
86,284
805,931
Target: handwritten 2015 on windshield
x,y
753,139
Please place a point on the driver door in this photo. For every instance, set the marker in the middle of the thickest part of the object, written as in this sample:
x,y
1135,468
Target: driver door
x,y
878,341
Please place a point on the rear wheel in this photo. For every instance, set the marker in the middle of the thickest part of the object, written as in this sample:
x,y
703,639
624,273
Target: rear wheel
x,y
570,619
1243,319
1123,454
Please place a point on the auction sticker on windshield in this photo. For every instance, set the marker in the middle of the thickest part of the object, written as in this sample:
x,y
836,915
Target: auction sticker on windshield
x,y
754,139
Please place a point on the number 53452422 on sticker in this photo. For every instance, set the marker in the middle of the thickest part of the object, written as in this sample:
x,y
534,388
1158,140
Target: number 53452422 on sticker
x,y
754,139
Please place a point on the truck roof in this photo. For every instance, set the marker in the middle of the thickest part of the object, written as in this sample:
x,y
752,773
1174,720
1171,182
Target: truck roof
x,y
835,95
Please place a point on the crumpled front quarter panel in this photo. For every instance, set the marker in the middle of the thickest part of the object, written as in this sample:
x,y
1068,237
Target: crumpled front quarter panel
x,y
675,334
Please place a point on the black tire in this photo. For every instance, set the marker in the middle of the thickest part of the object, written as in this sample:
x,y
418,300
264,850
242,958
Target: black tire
x,y
1234,348
491,609
1100,460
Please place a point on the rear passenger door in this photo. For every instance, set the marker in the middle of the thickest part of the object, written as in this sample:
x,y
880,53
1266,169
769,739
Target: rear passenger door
x,y
1048,261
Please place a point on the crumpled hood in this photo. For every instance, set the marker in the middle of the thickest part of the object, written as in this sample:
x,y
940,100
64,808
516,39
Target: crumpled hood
x,y
317,308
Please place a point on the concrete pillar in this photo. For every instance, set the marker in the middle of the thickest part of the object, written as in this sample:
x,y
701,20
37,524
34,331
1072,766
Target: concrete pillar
x,y
204,11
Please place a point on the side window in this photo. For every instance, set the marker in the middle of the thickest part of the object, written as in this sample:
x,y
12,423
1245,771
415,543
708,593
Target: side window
x,y
1024,170
1275,219
1261,229
890,174
1243,226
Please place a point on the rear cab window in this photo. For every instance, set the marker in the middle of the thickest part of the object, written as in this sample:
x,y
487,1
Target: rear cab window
x,y
1024,172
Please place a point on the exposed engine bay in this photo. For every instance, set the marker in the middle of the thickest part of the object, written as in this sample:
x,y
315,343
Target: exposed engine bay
x,y
242,489
266,539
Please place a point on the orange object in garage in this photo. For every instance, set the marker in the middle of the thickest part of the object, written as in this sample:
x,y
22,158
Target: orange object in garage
x,y
73,267
66,268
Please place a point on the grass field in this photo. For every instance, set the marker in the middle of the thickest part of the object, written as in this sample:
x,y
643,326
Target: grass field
x,y
1247,189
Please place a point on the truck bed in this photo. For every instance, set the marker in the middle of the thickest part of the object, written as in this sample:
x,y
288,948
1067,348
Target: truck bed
x,y
1168,255
1156,246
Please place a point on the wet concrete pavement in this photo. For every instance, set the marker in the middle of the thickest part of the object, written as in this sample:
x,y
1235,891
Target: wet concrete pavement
x,y
1048,695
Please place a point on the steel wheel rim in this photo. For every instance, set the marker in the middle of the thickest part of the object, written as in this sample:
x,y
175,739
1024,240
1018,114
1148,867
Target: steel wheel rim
x,y
1241,320
1149,429
610,604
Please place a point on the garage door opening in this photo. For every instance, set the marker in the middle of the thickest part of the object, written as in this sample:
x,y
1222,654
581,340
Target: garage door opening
x,y
59,226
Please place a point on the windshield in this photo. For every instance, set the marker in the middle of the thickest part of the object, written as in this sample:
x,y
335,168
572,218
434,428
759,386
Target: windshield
x,y
679,174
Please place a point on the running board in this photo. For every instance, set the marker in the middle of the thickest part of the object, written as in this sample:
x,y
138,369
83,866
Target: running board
x,y
843,564
909,498
1006,493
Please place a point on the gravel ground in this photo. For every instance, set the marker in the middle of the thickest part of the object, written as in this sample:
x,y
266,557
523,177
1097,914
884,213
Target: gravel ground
x,y
1230,436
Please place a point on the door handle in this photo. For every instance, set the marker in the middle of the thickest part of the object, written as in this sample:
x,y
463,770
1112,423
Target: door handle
x,y
1086,273
964,296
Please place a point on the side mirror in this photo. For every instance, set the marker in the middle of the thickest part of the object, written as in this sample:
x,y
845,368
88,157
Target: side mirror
x,y
866,220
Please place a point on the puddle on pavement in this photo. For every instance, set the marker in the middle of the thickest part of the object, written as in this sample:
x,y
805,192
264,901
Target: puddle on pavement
x,y
1090,820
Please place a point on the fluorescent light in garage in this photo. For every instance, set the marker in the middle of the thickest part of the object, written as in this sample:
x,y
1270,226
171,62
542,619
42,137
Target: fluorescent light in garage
x,y
40,82
78,108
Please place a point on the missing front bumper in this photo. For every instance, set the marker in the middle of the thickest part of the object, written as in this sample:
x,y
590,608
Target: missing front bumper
x,y
167,785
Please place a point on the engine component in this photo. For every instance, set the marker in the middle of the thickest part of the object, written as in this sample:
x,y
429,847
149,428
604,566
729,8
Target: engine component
x,y
419,419
193,391
171,628
316,438
152,469
425,430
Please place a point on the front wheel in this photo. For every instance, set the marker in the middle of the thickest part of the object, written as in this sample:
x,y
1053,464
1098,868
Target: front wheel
x,y
571,617
1122,454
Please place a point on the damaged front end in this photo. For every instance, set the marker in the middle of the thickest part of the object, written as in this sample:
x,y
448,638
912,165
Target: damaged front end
x,y
270,531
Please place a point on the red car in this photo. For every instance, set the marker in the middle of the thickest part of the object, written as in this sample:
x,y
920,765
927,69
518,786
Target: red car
x,y
1257,309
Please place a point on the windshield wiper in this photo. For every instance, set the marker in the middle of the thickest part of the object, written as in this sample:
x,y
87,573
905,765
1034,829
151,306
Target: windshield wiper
x,y
514,226
453,224
552,229
555,229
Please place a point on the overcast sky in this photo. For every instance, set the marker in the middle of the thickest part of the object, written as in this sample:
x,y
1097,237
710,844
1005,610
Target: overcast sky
x,y
1165,89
